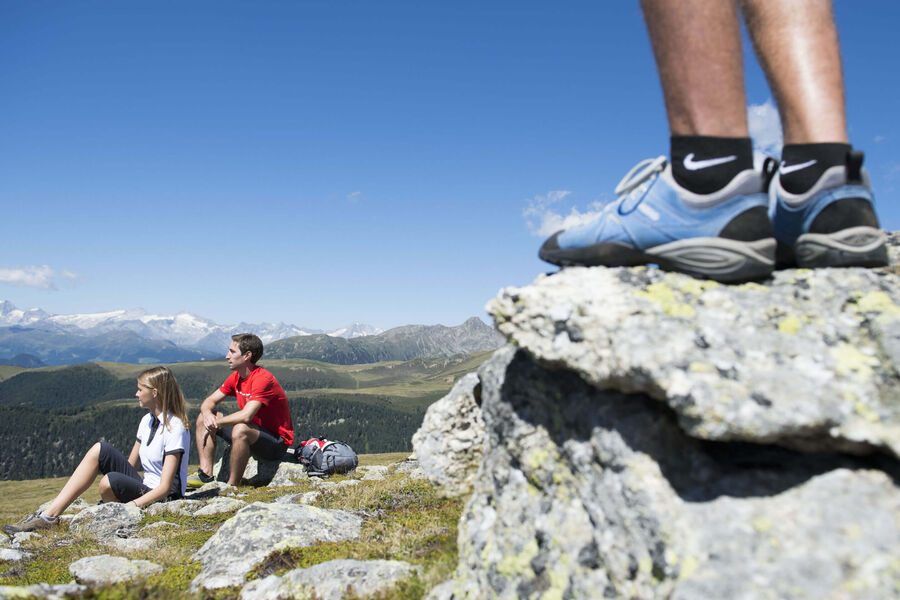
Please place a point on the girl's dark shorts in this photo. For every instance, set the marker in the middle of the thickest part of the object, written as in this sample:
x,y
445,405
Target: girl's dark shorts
x,y
124,480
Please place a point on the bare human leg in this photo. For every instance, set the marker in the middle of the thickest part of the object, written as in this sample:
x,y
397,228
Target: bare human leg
x,y
697,45
78,483
797,46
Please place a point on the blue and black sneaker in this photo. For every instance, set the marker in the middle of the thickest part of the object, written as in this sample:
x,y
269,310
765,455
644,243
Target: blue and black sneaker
x,y
726,235
833,224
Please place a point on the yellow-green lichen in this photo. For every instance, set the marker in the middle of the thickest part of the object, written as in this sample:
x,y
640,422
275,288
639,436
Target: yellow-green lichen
x,y
878,302
865,412
536,458
645,565
518,563
665,297
762,524
701,367
853,531
849,360
688,567
790,324
695,287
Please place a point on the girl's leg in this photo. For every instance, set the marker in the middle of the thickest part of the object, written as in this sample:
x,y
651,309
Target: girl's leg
x,y
78,483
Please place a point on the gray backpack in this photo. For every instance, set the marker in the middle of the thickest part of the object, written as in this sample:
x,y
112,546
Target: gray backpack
x,y
324,457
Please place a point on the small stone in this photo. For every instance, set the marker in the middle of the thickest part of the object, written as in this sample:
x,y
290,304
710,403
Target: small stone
x,y
105,569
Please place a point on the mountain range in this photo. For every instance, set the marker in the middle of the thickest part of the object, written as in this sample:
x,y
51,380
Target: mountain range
x,y
135,336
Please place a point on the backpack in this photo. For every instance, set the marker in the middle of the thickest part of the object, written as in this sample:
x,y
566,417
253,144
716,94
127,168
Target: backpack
x,y
325,457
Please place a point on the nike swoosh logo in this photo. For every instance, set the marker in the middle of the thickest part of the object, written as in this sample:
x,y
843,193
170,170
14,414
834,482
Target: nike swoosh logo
x,y
695,165
785,169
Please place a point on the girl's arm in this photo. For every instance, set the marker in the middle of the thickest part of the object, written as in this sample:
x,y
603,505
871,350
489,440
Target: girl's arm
x,y
134,459
170,465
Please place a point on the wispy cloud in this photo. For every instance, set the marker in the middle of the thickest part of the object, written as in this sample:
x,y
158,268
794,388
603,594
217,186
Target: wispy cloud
x,y
354,196
765,129
33,276
879,138
544,217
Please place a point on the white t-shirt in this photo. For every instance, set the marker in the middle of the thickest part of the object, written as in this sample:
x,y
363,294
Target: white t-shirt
x,y
175,439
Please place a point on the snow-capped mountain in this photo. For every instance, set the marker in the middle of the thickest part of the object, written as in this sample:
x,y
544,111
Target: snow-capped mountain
x,y
183,329
355,330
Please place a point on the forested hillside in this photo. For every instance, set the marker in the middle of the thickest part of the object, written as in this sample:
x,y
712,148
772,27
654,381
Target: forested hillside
x,y
50,416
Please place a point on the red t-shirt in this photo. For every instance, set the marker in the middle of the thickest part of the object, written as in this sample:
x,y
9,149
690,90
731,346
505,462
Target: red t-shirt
x,y
260,385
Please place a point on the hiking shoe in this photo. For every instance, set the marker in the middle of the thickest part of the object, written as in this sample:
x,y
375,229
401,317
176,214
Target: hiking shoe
x,y
31,522
726,235
198,479
833,224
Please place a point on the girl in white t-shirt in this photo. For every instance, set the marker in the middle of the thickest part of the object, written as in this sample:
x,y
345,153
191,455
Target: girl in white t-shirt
x,y
161,450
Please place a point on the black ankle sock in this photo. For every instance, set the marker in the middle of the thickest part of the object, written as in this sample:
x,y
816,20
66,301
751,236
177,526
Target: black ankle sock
x,y
803,164
705,164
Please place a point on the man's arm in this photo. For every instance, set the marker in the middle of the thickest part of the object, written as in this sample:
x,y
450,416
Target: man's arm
x,y
245,415
208,410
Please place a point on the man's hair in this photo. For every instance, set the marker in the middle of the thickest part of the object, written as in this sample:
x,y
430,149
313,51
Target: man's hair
x,y
249,342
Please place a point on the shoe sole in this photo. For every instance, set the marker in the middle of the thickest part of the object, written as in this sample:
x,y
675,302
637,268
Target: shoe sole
x,y
861,246
719,259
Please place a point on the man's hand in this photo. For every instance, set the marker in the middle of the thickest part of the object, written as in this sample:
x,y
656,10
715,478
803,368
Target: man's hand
x,y
210,421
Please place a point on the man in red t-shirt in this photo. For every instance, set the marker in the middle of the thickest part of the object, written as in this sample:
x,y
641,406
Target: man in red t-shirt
x,y
261,427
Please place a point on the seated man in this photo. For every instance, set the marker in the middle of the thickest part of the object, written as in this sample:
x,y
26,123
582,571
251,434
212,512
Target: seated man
x,y
261,427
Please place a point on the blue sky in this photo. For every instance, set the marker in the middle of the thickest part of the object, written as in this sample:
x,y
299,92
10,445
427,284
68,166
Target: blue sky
x,y
324,162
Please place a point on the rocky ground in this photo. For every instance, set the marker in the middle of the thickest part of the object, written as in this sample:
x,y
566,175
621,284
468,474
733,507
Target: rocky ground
x,y
649,435
378,532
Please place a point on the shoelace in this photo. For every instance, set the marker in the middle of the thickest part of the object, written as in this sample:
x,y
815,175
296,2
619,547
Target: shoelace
x,y
640,173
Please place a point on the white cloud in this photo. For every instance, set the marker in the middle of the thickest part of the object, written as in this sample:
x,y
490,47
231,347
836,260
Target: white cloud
x,y
544,219
39,277
765,129
354,196
879,138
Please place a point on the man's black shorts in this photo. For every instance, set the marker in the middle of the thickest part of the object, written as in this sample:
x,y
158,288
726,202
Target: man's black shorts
x,y
267,447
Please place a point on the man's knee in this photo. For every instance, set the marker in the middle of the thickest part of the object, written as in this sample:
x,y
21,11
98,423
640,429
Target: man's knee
x,y
242,432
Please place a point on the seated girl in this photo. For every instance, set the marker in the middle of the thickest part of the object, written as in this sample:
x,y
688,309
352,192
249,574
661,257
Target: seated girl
x,y
162,446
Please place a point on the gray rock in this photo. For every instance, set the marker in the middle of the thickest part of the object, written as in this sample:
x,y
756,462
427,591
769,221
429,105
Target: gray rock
x,y
131,544
348,483
302,498
257,473
449,442
105,522
261,528
209,490
289,474
42,590
728,360
220,505
183,506
374,473
317,483
13,555
22,537
159,525
104,569
331,580
654,436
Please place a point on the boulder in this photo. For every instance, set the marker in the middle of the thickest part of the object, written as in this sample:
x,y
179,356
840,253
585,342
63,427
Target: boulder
x,y
258,472
182,506
13,555
42,590
289,474
374,472
331,580
106,522
105,569
649,435
220,505
301,498
261,528
449,442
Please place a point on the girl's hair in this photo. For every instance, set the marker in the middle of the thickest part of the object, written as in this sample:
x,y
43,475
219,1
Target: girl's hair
x,y
171,400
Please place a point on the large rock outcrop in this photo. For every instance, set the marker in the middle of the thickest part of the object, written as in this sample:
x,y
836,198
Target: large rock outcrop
x,y
650,435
